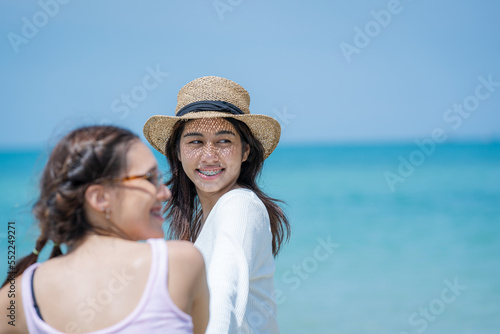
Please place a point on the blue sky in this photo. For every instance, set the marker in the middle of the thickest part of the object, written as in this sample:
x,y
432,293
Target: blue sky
x,y
328,71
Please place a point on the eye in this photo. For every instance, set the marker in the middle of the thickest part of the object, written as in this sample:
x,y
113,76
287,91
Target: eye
x,y
195,142
152,177
155,178
225,141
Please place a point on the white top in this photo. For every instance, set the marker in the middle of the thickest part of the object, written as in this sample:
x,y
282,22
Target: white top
x,y
236,243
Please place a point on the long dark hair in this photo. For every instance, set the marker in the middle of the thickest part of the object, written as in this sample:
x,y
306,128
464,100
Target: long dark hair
x,y
184,209
81,158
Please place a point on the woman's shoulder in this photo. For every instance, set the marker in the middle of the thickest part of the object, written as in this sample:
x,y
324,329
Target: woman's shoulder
x,y
182,247
240,192
184,252
242,205
11,301
12,297
242,197
185,265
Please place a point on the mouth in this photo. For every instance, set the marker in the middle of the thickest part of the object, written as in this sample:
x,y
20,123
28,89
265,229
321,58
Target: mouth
x,y
156,212
209,173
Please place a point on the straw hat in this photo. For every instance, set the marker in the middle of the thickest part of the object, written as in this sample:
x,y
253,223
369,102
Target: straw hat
x,y
211,97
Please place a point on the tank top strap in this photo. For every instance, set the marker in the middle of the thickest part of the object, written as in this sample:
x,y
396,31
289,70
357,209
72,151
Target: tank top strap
x,y
159,261
32,319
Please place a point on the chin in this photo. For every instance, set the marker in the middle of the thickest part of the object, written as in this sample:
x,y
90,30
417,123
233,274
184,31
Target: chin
x,y
213,188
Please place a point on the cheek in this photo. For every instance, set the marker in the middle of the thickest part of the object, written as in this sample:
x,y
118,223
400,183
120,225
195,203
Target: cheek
x,y
229,152
134,206
188,153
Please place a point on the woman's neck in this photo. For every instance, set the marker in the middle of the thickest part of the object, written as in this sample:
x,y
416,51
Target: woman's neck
x,y
208,201
93,241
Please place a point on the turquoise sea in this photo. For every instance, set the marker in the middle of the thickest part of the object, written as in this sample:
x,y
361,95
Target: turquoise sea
x,y
417,254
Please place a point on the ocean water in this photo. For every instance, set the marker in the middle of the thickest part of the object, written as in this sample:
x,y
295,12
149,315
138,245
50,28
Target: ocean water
x,y
385,238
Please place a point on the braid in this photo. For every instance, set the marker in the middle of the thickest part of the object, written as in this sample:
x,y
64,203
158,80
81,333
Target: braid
x,y
28,260
81,158
56,251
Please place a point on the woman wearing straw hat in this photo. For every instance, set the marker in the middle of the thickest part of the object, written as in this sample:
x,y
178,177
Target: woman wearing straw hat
x,y
215,149
100,192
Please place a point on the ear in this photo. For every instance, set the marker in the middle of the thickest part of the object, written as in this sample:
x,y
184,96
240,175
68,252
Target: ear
x,y
246,152
98,197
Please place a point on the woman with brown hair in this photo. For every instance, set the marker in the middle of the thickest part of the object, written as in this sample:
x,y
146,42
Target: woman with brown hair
x,y
100,192
216,150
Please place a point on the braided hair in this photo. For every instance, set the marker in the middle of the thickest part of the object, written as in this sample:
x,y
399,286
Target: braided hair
x,y
83,157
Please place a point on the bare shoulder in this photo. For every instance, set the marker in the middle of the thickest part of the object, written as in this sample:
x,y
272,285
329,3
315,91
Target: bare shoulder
x,y
186,263
184,252
186,273
11,302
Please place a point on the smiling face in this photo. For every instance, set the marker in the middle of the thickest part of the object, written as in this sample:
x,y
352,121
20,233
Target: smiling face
x,y
137,202
211,154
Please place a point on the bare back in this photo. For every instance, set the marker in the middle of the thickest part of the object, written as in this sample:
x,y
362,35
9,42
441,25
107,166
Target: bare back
x,y
101,283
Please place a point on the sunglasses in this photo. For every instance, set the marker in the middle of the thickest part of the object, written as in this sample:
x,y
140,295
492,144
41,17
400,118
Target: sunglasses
x,y
156,178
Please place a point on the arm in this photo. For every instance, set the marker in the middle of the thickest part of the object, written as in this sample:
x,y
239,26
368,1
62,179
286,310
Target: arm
x,y
200,313
187,282
239,224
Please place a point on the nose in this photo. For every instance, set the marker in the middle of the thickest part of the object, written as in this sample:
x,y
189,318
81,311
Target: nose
x,y
209,153
163,194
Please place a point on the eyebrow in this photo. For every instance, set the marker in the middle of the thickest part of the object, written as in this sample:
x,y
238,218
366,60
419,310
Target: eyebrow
x,y
198,134
193,134
225,132
153,169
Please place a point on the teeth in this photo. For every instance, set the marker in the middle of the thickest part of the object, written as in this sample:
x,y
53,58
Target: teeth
x,y
210,173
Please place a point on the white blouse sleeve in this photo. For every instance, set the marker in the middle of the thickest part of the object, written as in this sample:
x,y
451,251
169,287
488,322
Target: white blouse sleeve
x,y
240,223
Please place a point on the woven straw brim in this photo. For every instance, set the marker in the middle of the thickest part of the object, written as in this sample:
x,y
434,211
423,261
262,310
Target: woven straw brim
x,y
267,130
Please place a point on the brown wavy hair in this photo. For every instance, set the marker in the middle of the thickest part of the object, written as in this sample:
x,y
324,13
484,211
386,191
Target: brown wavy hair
x,y
184,210
83,157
